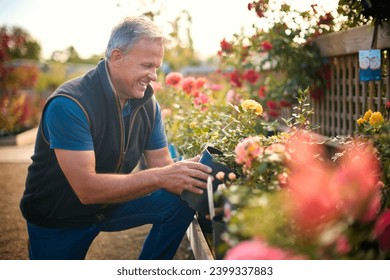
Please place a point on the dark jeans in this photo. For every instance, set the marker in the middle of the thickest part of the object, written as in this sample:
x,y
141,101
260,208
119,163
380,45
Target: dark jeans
x,y
168,213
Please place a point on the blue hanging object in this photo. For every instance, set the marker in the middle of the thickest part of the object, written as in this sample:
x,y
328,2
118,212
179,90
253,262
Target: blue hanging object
x,y
370,65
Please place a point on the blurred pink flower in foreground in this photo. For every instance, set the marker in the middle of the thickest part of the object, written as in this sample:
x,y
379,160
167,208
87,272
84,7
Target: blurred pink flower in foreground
x,y
355,184
321,193
258,250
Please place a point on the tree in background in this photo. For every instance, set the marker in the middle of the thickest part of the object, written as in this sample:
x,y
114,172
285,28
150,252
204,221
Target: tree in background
x,y
16,43
70,55
180,51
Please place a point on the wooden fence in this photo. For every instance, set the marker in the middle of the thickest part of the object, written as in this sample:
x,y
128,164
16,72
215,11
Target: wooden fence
x,y
348,98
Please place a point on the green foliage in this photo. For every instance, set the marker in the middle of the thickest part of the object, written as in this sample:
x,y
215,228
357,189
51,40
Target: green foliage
x,y
302,112
352,10
180,52
361,12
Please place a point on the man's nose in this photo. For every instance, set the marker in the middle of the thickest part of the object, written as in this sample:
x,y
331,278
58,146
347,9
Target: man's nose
x,y
153,75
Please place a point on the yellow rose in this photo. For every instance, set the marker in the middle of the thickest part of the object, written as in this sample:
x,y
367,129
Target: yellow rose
x,y
376,119
250,104
361,121
367,115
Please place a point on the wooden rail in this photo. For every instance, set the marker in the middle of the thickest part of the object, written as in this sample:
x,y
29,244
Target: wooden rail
x,y
199,245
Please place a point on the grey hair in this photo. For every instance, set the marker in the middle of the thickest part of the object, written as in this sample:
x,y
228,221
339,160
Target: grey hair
x,y
129,31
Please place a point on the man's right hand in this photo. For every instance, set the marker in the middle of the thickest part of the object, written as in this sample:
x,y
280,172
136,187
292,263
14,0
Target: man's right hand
x,y
187,175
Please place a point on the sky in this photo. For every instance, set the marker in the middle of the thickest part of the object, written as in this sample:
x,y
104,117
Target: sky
x,y
86,24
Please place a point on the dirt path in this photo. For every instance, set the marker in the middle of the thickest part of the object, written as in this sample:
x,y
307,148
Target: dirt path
x,y
13,236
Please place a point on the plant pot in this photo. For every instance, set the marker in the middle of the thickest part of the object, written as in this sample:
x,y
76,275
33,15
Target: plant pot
x,y
199,202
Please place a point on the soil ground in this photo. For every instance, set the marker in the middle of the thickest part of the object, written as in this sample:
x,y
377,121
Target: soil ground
x,y
123,245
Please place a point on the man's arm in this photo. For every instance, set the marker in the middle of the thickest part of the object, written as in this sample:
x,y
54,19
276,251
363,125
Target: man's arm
x,y
92,188
158,158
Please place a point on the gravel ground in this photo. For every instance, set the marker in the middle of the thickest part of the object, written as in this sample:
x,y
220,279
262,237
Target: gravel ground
x,y
124,245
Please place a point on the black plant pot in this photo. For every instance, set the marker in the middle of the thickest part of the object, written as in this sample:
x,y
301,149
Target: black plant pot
x,y
200,202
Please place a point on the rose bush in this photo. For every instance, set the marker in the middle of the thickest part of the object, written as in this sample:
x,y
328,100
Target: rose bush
x,y
280,57
197,113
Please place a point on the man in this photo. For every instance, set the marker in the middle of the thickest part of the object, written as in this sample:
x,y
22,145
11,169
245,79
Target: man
x,y
94,130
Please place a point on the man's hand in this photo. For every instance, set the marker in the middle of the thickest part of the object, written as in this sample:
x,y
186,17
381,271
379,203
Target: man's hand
x,y
185,175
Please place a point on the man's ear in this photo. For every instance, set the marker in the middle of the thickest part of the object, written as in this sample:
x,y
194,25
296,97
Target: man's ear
x,y
116,56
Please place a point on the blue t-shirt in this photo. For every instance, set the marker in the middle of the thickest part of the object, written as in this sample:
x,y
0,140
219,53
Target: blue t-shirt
x,y
65,125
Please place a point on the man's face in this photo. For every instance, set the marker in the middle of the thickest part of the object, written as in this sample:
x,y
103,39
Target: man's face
x,y
132,72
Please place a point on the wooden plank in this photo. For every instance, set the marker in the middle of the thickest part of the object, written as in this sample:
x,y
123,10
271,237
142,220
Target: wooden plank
x,y
199,244
378,96
356,99
342,98
352,40
332,97
350,115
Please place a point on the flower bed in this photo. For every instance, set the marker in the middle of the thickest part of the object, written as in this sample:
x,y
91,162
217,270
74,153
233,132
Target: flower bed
x,y
290,198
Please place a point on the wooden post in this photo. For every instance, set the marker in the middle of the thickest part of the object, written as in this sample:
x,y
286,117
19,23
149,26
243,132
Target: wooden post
x,y
371,89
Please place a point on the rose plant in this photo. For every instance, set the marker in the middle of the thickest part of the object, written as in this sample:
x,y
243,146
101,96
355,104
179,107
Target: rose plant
x,y
289,198
280,57
197,113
